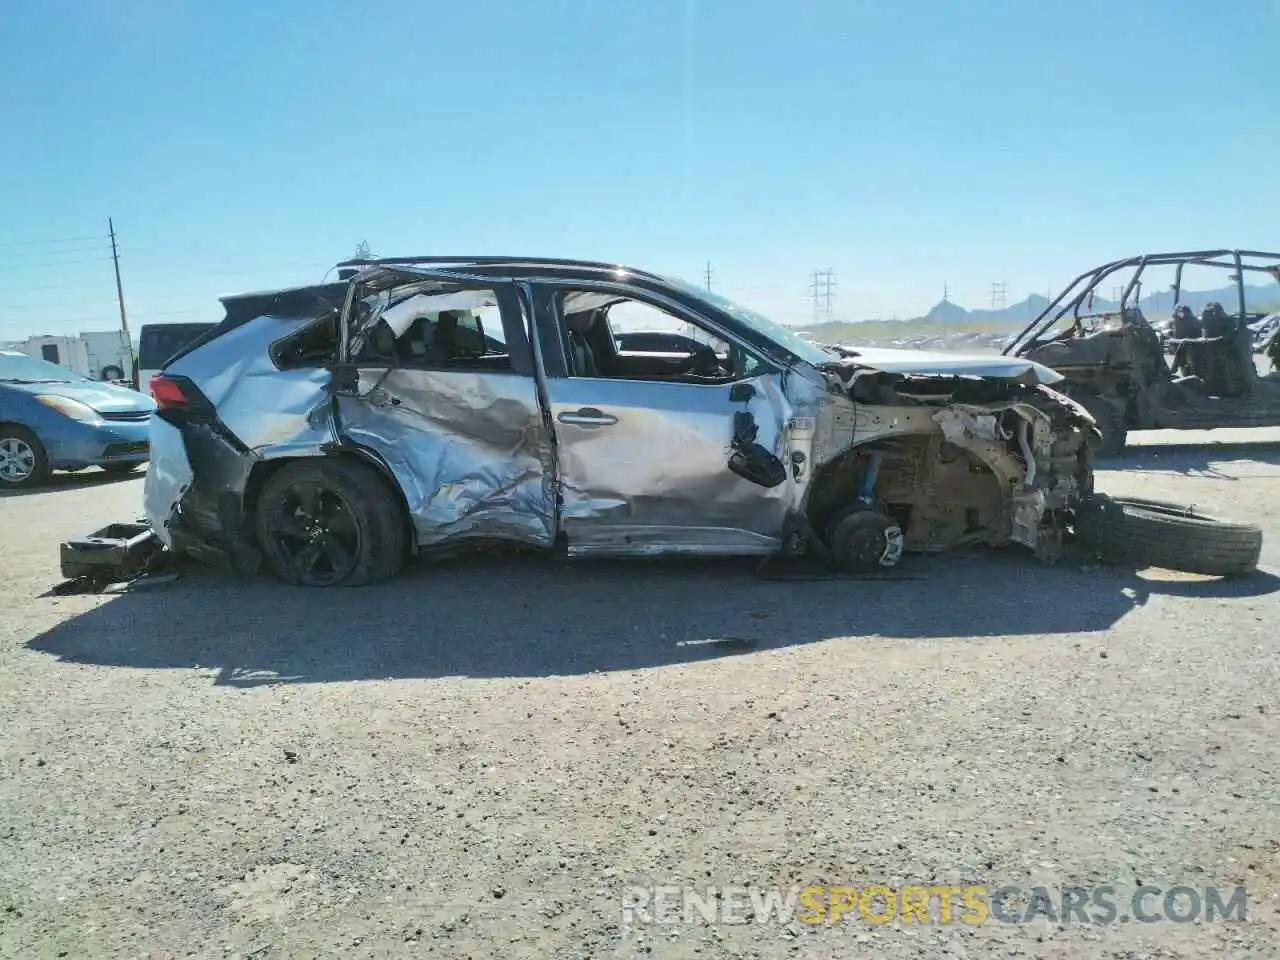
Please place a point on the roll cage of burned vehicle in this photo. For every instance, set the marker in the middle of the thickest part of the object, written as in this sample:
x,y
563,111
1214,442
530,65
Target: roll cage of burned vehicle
x,y
1114,362
332,431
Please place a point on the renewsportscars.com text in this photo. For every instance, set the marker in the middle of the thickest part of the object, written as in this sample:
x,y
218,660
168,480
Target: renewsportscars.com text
x,y
935,903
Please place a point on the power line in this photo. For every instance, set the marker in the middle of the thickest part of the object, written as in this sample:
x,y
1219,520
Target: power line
x,y
44,286
277,266
92,305
106,318
67,251
30,243
52,263
167,275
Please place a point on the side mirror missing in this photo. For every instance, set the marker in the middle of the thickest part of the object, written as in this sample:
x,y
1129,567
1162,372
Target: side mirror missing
x,y
750,460
756,464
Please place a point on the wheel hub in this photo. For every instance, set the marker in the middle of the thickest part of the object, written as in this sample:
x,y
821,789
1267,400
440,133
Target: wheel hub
x,y
313,539
17,460
867,545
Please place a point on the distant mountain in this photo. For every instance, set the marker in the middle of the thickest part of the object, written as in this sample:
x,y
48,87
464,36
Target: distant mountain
x,y
1018,314
946,313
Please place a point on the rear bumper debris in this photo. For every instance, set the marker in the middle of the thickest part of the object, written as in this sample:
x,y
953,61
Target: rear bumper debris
x,y
117,552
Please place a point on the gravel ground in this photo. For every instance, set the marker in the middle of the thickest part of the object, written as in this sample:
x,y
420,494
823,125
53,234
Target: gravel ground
x,y
481,759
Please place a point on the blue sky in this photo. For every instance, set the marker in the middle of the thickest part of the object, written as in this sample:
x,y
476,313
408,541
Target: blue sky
x,y
243,145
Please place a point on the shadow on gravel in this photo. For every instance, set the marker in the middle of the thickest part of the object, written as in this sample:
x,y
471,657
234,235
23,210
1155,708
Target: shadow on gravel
x,y
1192,458
80,480
526,616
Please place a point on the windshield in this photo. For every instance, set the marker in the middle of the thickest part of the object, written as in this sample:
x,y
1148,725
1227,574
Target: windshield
x,y
784,337
19,368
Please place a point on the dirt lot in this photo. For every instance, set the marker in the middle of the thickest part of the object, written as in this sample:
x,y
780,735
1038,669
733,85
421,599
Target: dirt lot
x,y
480,760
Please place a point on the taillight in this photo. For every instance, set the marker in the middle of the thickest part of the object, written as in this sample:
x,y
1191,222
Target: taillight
x,y
179,395
167,392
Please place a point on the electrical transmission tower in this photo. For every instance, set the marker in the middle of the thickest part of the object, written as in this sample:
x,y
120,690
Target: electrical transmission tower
x,y
822,289
946,292
707,275
999,295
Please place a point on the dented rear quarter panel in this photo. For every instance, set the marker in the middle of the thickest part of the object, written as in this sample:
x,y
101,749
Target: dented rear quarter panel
x,y
273,412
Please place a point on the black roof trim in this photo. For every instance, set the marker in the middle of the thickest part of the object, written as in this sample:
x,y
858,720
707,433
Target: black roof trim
x,y
291,301
518,265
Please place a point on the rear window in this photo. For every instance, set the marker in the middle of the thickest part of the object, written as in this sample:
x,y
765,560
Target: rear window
x,y
158,342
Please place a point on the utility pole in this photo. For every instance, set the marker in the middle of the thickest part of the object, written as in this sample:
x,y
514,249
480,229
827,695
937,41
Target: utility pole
x,y
822,286
124,318
708,275
946,292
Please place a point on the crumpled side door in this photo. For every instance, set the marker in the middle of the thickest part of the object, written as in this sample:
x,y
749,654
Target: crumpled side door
x,y
469,448
643,466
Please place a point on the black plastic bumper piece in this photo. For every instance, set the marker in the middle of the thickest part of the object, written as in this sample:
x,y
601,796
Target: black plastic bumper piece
x,y
117,552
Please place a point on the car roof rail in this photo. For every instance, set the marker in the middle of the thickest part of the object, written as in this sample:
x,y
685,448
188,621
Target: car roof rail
x,y
493,261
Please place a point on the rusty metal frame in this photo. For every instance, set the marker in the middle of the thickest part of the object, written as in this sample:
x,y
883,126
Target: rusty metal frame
x,y
1082,287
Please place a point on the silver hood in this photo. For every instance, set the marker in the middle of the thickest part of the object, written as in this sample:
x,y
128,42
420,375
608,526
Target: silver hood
x,y
926,363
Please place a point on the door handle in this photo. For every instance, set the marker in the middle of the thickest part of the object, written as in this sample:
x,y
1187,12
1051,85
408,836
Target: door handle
x,y
588,417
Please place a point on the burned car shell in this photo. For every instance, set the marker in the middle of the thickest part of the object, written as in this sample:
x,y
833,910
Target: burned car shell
x,y
966,449
1130,375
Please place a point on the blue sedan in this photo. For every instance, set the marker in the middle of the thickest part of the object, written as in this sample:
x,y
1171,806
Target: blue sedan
x,y
53,419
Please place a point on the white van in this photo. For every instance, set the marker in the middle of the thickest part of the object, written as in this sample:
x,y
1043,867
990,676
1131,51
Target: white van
x,y
98,355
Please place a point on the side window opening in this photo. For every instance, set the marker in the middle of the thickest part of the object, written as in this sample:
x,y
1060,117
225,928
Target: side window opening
x,y
447,331
620,338
314,345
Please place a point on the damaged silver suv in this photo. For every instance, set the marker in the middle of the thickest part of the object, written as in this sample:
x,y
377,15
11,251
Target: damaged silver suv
x,y
332,432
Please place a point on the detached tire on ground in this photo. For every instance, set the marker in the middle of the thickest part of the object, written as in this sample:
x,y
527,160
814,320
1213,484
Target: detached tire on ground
x,y
1151,533
330,522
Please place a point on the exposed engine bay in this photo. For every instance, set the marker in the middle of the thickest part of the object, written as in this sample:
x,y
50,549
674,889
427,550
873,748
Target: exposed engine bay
x,y
958,460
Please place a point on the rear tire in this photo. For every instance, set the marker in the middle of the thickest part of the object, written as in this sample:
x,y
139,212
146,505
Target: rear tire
x,y
330,522
23,463
1151,533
